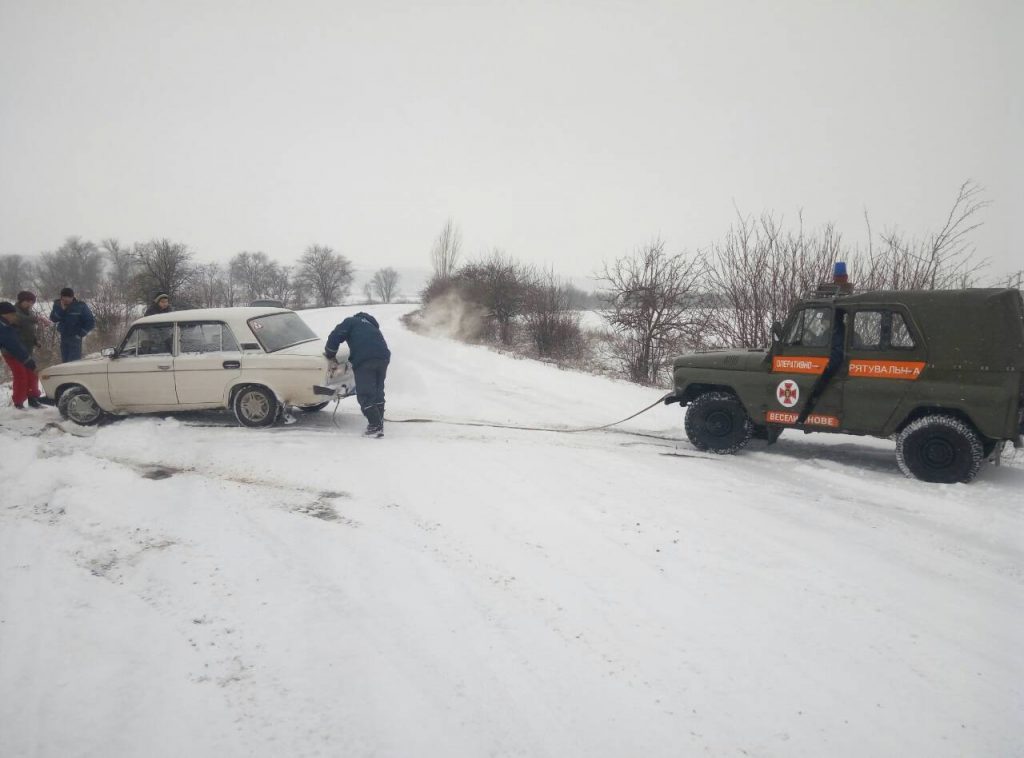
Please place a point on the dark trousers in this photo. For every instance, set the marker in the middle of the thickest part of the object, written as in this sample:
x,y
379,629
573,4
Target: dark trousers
x,y
70,349
370,376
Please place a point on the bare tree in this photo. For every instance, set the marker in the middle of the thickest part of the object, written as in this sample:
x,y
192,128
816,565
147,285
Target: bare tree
x,y
368,291
444,255
943,260
553,325
77,263
385,284
655,307
163,267
499,285
16,273
327,274
759,270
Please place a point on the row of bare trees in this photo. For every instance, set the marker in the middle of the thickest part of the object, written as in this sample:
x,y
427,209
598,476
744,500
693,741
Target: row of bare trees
x,y
658,303
118,279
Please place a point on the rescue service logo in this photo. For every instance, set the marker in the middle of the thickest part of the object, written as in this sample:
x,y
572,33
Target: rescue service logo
x,y
802,364
788,393
909,370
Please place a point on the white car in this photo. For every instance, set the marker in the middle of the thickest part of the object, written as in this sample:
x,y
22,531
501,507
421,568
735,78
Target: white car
x,y
254,361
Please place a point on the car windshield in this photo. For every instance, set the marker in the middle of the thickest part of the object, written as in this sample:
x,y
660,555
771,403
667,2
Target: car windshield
x,y
280,330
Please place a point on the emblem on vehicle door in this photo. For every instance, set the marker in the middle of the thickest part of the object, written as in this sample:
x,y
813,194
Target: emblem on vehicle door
x,y
788,393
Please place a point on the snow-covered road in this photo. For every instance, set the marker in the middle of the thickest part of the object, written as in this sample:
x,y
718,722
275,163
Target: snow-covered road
x,y
181,586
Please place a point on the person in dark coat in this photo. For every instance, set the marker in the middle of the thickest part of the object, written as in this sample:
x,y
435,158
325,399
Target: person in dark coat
x,y
26,382
15,354
369,356
161,304
74,320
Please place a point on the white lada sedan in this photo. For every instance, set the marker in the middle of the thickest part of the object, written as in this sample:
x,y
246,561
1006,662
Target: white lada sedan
x,y
254,361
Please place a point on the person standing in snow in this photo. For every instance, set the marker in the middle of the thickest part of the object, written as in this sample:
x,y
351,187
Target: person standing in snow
x,y
25,381
161,304
369,356
16,355
74,320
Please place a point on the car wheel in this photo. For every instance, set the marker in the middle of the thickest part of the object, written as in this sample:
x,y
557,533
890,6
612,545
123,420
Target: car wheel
x,y
314,408
78,405
939,448
717,422
255,406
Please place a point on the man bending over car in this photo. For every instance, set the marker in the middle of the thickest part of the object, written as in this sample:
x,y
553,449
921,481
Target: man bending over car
x,y
369,356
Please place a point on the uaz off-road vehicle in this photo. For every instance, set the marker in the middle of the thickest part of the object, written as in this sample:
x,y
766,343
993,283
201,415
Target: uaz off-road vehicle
x,y
942,371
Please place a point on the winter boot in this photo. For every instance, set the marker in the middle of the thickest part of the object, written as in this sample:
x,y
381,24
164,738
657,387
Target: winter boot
x,y
375,427
20,406
34,402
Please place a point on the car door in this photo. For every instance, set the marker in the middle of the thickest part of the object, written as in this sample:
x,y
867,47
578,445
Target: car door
x,y
886,357
141,376
207,362
798,366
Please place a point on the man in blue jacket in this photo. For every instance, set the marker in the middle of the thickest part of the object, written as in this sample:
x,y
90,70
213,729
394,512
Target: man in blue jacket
x,y
13,349
74,320
369,356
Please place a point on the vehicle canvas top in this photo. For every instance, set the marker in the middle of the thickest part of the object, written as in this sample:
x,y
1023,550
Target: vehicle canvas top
x,y
964,329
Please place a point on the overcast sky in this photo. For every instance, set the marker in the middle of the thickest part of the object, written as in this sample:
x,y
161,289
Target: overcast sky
x,y
562,132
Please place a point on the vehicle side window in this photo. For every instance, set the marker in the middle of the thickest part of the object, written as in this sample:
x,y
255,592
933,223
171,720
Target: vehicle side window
x,y
150,339
900,336
206,337
812,327
867,330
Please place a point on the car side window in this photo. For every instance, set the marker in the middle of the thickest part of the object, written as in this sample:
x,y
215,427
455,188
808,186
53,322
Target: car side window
x,y
205,337
900,335
867,330
148,339
812,327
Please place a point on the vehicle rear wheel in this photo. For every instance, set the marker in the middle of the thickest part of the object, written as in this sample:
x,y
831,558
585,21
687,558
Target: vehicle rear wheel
x,y
718,423
939,448
78,405
255,406
314,408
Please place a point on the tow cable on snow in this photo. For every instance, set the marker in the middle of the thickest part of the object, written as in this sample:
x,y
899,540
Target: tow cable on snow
x,y
494,425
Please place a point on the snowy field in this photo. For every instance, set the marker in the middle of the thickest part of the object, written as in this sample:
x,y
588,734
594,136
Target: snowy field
x,y
181,586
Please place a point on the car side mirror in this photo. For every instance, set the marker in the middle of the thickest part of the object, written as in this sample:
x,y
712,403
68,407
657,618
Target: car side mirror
x,y
108,352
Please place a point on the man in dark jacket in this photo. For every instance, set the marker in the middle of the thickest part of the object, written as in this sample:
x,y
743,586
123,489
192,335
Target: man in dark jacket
x,y
15,353
161,304
74,320
369,356
26,383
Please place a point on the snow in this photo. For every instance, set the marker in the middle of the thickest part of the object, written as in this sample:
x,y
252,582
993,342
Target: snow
x,y
181,586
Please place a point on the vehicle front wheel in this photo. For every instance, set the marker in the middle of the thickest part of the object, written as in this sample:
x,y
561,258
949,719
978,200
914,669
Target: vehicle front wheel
x,y
314,408
78,405
717,422
255,406
939,448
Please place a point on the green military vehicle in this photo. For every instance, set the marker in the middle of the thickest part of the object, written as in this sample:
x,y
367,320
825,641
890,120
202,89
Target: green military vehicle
x,y
941,371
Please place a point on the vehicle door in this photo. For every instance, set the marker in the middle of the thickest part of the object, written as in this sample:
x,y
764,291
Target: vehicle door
x,y
141,375
798,367
886,357
207,362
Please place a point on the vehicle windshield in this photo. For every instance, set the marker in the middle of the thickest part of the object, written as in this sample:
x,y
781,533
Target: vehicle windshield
x,y
280,330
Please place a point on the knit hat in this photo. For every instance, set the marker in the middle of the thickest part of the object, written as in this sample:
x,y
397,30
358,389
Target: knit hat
x,y
67,292
6,307
26,295
160,297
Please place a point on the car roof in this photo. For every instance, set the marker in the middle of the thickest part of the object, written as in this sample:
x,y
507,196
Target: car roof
x,y
233,315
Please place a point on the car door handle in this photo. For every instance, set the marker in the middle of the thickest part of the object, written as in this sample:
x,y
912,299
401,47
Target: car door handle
x,y
163,366
231,364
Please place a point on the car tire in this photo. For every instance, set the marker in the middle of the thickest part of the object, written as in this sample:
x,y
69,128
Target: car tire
x,y
939,448
314,408
77,404
255,406
718,423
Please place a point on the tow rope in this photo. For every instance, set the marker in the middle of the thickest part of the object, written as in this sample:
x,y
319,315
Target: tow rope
x,y
495,425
